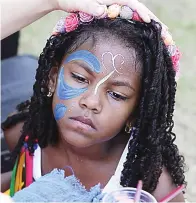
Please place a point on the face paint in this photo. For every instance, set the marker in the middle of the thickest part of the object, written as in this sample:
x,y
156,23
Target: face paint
x,y
59,111
102,81
113,64
87,57
64,91
113,60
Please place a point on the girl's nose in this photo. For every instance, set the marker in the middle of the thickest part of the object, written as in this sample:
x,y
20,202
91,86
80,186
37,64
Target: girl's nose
x,y
91,101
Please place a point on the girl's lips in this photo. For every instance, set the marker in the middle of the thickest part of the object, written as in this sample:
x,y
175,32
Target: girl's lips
x,y
78,125
83,120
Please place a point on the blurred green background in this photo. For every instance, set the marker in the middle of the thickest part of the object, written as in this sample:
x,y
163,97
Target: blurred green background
x,y
180,17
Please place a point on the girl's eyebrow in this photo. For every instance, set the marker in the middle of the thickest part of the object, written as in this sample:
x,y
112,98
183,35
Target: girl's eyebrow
x,y
122,83
86,56
84,65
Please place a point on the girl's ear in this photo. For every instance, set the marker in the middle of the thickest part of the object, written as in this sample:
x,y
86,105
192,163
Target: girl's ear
x,y
128,123
53,76
131,121
132,118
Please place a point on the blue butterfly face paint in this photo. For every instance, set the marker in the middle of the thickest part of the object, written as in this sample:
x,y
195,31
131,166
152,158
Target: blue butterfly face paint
x,y
87,57
59,111
64,91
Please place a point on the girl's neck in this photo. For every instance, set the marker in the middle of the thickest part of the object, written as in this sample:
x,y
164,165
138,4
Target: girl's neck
x,y
106,156
97,152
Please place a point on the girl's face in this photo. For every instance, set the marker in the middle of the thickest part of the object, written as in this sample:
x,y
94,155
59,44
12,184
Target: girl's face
x,y
96,91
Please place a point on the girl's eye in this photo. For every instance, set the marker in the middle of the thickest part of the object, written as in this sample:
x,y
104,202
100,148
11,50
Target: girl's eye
x,y
116,96
79,79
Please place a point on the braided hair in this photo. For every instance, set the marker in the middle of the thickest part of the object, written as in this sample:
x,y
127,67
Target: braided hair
x,y
152,146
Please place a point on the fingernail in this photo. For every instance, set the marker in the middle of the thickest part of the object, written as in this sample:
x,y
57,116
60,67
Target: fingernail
x,y
147,20
100,10
102,13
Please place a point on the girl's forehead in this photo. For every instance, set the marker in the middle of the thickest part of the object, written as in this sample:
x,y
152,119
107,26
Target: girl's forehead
x,y
113,55
107,62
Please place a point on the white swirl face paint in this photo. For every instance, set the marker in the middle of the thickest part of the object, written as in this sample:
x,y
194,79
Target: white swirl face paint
x,y
102,81
113,57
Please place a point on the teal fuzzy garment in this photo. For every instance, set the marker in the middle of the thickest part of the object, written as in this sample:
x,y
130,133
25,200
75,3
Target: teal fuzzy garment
x,y
54,187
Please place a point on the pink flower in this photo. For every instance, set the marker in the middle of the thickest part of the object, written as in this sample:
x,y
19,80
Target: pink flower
x,y
176,59
71,22
85,18
136,17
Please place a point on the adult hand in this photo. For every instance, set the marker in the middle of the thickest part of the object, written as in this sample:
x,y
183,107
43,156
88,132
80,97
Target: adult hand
x,y
26,12
98,7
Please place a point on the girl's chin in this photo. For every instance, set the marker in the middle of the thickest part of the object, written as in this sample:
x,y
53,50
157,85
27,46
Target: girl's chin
x,y
79,140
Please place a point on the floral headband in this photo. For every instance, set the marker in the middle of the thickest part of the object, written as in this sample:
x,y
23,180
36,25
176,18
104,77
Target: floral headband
x,y
73,20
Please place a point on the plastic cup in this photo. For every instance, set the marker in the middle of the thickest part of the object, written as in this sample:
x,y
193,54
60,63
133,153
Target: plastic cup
x,y
126,195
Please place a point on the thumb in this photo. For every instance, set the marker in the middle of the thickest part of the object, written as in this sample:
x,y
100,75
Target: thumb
x,y
100,11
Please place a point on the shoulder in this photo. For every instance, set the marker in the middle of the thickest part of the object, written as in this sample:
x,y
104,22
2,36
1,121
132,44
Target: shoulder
x,y
12,135
165,186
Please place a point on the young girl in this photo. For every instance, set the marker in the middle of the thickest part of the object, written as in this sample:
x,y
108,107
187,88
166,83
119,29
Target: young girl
x,y
103,105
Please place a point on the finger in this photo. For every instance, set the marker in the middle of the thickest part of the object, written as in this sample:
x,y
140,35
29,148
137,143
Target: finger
x,y
100,11
142,9
152,16
133,4
143,12
92,8
105,12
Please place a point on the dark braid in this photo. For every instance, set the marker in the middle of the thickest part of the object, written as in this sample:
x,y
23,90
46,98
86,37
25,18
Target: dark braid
x,y
20,116
152,146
